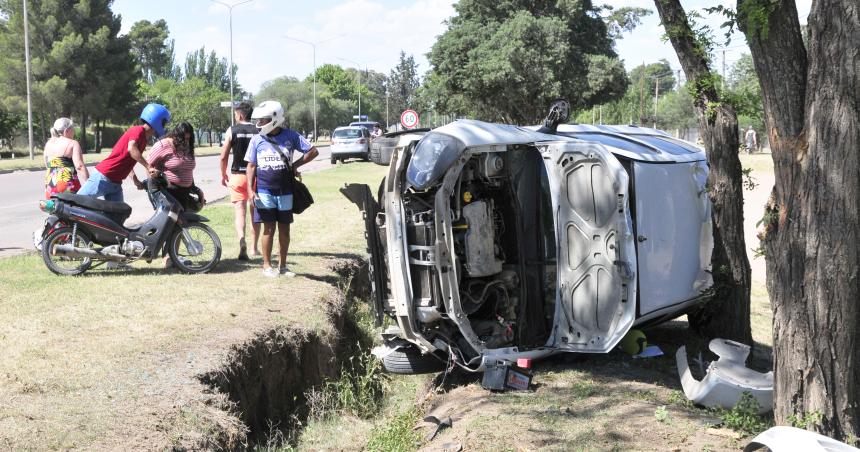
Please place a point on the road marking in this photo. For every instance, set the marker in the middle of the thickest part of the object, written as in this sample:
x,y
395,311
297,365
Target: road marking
x,y
35,204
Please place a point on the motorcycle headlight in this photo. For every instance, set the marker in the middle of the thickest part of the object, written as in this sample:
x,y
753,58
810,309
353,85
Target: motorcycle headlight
x,y
433,155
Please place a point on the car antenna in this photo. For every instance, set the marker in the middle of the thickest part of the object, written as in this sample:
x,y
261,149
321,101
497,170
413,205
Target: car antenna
x,y
559,112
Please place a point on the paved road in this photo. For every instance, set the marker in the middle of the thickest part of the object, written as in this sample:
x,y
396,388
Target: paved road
x,y
21,191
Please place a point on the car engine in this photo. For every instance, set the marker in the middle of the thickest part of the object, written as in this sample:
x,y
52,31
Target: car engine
x,y
493,217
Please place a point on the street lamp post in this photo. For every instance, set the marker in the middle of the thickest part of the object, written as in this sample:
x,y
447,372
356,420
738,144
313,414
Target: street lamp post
x,y
359,82
314,46
27,64
230,7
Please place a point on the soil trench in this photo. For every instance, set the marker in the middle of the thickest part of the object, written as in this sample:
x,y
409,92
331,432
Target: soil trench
x,y
266,379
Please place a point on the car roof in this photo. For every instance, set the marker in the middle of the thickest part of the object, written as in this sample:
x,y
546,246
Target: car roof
x,y
636,143
347,128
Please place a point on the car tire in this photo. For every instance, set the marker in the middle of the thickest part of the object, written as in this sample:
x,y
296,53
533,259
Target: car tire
x,y
333,160
409,361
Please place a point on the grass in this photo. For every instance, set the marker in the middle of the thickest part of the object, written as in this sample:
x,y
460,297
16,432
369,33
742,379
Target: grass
x,y
758,162
22,160
111,355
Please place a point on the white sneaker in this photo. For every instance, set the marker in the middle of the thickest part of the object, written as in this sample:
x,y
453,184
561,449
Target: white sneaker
x,y
286,272
270,272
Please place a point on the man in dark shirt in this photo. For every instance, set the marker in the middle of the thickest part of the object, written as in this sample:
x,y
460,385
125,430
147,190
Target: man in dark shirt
x,y
236,144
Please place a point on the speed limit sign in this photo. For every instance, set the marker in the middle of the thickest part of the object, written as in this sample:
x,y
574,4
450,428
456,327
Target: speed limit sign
x,y
409,119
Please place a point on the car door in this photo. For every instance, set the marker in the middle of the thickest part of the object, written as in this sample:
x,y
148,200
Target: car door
x,y
596,290
674,232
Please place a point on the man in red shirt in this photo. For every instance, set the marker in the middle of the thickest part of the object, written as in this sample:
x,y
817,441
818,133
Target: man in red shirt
x,y
106,178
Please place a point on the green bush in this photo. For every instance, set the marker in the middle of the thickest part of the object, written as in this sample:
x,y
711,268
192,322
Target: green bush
x,y
744,417
398,434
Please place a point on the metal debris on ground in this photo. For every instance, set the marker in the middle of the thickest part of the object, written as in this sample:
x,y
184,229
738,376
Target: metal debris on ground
x,y
726,379
790,439
501,376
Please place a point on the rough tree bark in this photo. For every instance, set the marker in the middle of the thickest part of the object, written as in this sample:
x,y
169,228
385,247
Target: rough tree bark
x,y
728,314
812,239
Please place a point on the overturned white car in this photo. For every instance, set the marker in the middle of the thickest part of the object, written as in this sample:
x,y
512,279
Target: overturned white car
x,y
494,242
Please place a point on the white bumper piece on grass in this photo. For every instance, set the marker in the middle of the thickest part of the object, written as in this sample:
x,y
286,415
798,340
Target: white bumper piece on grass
x,y
790,439
727,378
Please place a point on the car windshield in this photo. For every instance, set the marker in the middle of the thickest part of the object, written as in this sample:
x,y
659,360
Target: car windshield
x,y
347,133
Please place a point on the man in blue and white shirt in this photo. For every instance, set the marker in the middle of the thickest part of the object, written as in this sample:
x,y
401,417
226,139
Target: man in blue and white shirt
x,y
271,172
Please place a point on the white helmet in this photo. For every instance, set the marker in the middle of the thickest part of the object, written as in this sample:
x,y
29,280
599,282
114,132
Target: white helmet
x,y
271,110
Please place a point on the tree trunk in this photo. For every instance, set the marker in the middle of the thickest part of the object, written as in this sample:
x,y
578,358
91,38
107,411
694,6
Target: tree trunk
x,y
812,238
728,314
83,139
97,135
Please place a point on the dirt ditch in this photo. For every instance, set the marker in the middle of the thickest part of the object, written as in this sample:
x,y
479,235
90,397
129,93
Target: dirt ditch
x,y
266,379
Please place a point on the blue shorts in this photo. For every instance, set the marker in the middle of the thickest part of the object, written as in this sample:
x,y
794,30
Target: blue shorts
x,y
273,208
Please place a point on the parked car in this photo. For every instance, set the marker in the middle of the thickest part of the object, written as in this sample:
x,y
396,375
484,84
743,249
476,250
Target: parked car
x,y
366,124
493,242
382,147
352,141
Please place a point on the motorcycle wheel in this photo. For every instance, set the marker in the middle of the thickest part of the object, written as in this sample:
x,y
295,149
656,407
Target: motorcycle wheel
x,y
194,248
63,265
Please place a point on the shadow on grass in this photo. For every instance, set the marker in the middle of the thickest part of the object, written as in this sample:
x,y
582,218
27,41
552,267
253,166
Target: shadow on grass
x,y
350,256
617,367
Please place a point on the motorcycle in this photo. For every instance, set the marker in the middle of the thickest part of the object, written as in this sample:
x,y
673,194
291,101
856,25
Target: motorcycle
x,y
82,232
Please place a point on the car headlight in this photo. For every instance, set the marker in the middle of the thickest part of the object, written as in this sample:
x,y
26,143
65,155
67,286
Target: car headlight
x,y
433,155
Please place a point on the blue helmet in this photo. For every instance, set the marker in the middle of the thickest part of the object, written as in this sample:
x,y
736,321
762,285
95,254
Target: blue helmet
x,y
157,116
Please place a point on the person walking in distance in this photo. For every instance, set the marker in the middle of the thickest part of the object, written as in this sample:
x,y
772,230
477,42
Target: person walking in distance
x,y
106,178
271,172
236,144
751,140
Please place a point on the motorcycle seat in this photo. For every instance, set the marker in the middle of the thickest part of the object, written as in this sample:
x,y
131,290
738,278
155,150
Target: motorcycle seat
x,y
120,209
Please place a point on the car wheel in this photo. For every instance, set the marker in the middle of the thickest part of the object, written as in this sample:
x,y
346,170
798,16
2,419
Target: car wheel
x,y
333,160
410,361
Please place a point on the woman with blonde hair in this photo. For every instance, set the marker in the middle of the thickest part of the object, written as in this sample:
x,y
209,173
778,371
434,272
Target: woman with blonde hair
x,y
64,160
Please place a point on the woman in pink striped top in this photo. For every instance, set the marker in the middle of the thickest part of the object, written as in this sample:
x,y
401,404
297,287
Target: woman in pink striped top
x,y
173,155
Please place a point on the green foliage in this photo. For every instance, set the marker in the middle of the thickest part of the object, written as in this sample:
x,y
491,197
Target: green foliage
x,y
749,182
340,84
403,84
343,86
398,434
11,124
646,76
754,16
805,420
211,69
152,50
297,98
359,389
191,100
744,417
676,111
743,92
636,103
677,397
662,414
80,66
509,60
624,19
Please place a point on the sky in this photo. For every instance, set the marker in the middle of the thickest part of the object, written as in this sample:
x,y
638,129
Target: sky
x,y
358,33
